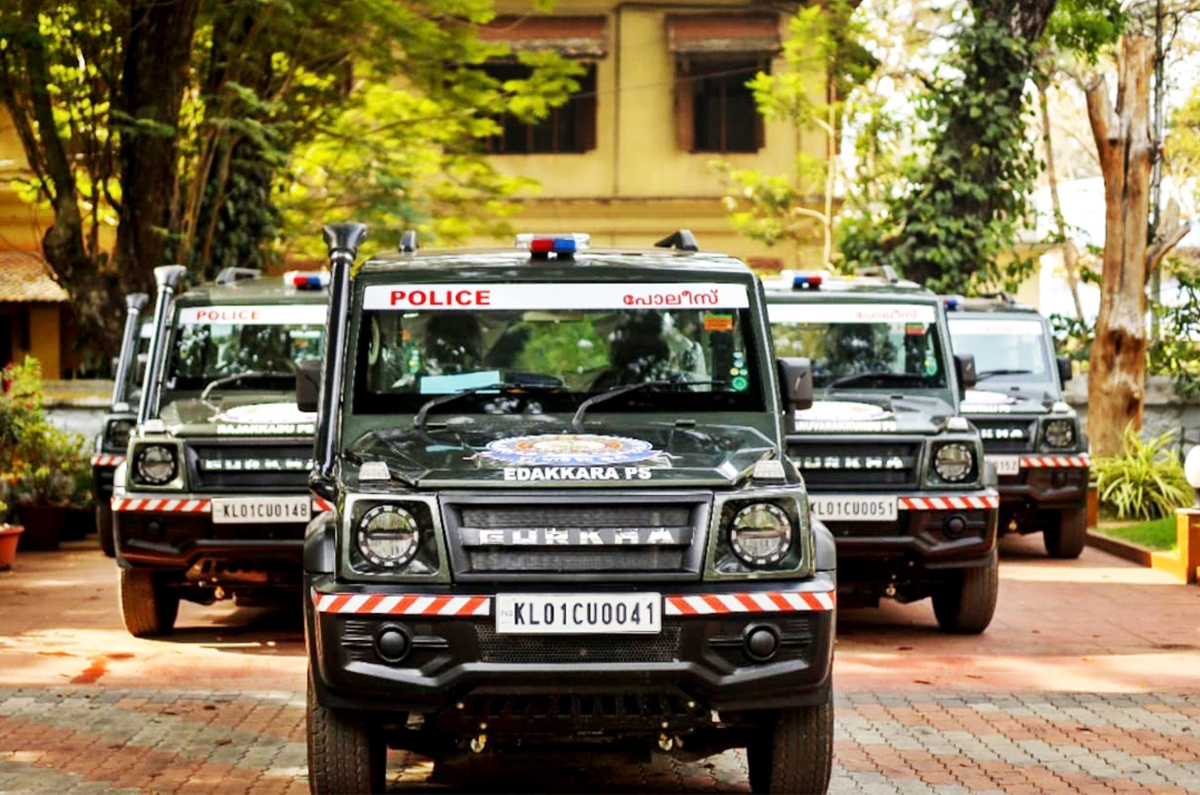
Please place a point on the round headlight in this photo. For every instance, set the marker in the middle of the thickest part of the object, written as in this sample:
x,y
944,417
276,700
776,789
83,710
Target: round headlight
x,y
388,536
954,462
1059,433
156,464
760,534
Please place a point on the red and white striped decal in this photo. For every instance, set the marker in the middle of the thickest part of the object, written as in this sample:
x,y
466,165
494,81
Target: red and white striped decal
x,y
1054,461
107,460
408,605
773,602
948,503
147,505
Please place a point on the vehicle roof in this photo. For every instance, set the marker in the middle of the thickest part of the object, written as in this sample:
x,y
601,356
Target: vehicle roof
x,y
978,306
503,264
256,290
846,292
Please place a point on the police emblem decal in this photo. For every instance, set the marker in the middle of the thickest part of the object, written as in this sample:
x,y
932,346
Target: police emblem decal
x,y
569,449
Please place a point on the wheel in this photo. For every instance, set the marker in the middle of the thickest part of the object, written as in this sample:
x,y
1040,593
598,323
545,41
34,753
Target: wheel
x,y
1067,538
344,754
795,752
104,528
148,608
965,603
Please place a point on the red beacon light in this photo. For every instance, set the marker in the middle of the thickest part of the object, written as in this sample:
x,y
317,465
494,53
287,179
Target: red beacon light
x,y
307,280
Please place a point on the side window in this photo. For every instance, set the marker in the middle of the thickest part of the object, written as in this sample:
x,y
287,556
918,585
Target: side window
x,y
569,129
714,108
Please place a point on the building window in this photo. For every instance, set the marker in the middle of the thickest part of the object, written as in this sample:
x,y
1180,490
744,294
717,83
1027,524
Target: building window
x,y
715,109
570,128
715,56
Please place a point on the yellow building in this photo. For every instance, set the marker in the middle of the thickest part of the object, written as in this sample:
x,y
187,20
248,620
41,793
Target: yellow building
x,y
629,159
34,316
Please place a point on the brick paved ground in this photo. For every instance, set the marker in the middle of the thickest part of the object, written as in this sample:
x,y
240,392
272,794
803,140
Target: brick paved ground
x,y
1088,681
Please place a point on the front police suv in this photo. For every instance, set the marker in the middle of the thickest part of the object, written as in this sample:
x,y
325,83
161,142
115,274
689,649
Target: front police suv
x,y
890,466
561,513
213,500
1030,435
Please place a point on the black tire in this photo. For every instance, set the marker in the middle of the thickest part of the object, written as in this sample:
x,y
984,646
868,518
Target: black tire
x,y
344,754
965,603
1067,539
148,608
795,752
104,528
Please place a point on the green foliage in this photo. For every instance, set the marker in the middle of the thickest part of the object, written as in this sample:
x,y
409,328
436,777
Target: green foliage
x,y
38,462
1174,353
1086,28
1072,337
1183,141
1146,481
949,213
823,46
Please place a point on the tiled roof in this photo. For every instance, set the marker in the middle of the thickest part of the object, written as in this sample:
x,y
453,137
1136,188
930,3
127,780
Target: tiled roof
x,y
24,277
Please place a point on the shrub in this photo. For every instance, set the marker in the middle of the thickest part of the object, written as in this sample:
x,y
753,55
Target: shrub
x,y
1145,481
39,462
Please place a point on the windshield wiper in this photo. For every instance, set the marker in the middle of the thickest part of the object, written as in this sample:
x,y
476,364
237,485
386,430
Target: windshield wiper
x,y
249,374
980,376
500,386
882,375
616,392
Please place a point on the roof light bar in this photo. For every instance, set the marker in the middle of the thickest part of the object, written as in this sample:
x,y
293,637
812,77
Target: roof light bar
x,y
952,302
812,282
307,280
553,244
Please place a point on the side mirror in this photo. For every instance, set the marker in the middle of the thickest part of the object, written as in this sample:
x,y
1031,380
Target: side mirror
x,y
1064,369
795,383
139,369
308,385
964,368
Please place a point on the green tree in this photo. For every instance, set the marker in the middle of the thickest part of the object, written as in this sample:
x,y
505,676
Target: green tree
x,y
180,123
823,61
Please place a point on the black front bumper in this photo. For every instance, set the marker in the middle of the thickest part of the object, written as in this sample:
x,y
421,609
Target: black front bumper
x,y
1026,497
932,533
697,660
238,556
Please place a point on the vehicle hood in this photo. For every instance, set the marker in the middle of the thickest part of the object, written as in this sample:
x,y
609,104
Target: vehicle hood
x,y
248,415
474,455
857,414
984,403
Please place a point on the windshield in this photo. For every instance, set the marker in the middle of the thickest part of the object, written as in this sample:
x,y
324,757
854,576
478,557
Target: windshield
x,y
563,342
216,342
1007,351
863,346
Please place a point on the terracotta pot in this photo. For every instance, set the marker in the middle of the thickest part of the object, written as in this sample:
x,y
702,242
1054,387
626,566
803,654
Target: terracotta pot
x,y
80,523
10,534
43,525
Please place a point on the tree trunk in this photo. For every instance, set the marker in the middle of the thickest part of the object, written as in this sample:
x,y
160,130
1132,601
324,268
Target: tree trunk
x,y
1117,374
153,81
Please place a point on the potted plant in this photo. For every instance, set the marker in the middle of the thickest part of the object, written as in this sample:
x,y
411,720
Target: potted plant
x,y
10,534
47,482
43,467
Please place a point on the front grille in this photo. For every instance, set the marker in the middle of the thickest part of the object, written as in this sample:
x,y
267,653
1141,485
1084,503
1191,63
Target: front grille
x,y
870,465
1007,435
603,536
534,649
566,715
268,467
